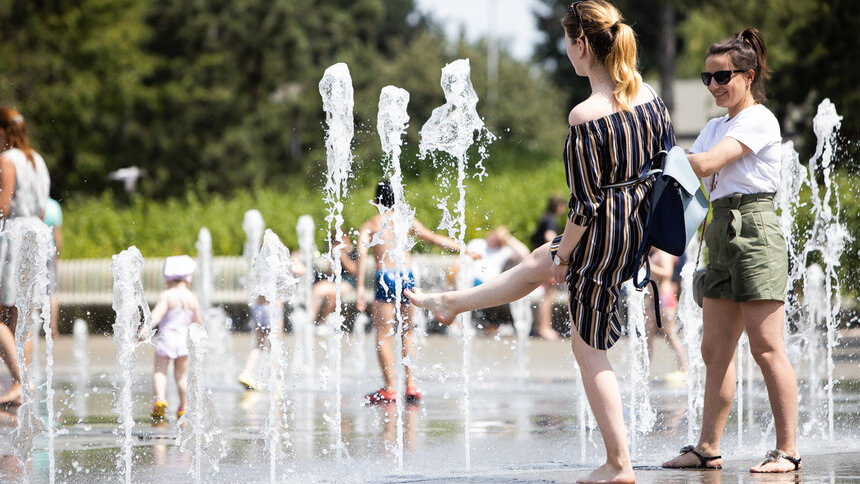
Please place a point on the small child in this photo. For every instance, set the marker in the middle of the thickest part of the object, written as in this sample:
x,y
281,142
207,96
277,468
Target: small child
x,y
176,310
262,327
260,313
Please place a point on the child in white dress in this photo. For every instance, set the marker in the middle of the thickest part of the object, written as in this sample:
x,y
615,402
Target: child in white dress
x,y
176,310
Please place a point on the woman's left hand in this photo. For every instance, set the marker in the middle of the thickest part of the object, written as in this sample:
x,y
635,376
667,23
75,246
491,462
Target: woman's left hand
x,y
559,272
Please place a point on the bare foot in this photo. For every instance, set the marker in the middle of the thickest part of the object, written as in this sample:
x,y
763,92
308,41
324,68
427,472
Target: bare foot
x,y
777,462
435,302
689,460
12,398
548,334
609,474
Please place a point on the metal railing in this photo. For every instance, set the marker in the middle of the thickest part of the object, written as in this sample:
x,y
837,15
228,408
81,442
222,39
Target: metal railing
x,y
89,281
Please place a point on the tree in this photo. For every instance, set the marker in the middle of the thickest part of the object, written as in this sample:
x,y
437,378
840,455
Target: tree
x,y
74,70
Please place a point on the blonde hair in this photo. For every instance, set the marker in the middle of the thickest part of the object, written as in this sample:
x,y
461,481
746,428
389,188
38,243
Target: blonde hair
x,y
613,42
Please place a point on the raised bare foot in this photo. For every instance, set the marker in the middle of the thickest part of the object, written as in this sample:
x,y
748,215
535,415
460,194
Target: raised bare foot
x,y
12,398
777,461
435,302
609,475
695,458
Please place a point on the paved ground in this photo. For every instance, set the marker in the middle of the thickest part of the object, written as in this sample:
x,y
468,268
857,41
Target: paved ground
x,y
523,427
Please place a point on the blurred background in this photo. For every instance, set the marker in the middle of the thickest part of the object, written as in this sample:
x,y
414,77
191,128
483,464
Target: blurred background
x,y
157,117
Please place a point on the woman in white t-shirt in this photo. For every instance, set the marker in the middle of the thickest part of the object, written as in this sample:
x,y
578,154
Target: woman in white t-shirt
x,y
738,156
24,185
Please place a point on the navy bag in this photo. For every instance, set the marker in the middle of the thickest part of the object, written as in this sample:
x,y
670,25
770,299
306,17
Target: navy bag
x,y
676,207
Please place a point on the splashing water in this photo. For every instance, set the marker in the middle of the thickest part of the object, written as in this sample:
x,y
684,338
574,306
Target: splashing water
x,y
273,280
80,332
31,280
132,311
828,235
80,352
221,362
689,317
303,353
521,312
253,225
392,121
337,95
642,415
200,431
451,129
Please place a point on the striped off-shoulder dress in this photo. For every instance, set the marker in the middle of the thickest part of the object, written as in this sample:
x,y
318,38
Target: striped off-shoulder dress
x,y
604,151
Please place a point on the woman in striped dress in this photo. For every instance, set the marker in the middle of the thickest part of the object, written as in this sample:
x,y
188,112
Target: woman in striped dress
x,y
613,136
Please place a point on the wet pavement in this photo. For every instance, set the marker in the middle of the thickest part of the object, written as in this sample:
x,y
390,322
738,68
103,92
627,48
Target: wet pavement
x,y
524,426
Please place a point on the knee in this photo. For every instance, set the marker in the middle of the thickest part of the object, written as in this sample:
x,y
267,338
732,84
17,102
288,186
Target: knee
x,y
767,356
714,355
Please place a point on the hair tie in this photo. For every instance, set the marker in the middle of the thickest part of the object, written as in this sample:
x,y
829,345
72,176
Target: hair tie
x,y
615,25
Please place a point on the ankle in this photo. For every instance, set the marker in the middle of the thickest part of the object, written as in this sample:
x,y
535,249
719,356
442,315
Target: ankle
x,y
707,449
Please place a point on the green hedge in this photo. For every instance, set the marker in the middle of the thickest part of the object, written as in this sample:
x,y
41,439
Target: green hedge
x,y
514,194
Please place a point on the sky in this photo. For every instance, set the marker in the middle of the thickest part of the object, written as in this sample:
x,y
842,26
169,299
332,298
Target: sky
x,y
516,25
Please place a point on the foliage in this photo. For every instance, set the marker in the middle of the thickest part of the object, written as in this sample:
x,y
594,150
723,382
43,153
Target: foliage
x,y
215,96
75,70
513,195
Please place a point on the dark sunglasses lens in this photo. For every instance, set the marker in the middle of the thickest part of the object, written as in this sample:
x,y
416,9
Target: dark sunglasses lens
x,y
706,78
723,77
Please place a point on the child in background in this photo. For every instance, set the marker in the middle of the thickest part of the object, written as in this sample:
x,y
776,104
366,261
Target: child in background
x,y
260,318
176,310
262,327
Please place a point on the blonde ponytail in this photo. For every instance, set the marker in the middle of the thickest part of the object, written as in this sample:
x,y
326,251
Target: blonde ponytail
x,y
613,42
622,64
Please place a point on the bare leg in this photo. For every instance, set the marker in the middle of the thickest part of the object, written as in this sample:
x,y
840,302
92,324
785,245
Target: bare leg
x,y
508,286
543,324
604,397
323,297
764,324
180,374
159,377
407,345
55,316
383,315
9,318
722,327
260,340
667,331
671,336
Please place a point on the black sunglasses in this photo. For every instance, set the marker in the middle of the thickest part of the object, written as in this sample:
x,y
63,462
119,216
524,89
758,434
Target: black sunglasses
x,y
572,8
722,77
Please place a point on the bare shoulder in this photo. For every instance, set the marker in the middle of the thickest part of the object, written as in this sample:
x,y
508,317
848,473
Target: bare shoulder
x,y
370,225
595,107
645,95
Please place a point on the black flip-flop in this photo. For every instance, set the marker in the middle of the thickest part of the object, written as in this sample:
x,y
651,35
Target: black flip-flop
x,y
703,460
774,456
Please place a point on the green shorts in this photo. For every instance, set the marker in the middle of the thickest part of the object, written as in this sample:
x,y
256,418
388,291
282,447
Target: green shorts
x,y
747,256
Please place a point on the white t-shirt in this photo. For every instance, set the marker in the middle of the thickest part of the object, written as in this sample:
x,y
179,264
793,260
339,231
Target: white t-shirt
x,y
755,172
32,184
491,263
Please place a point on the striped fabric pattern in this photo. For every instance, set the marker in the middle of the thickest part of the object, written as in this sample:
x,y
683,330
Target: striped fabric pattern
x,y
604,151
